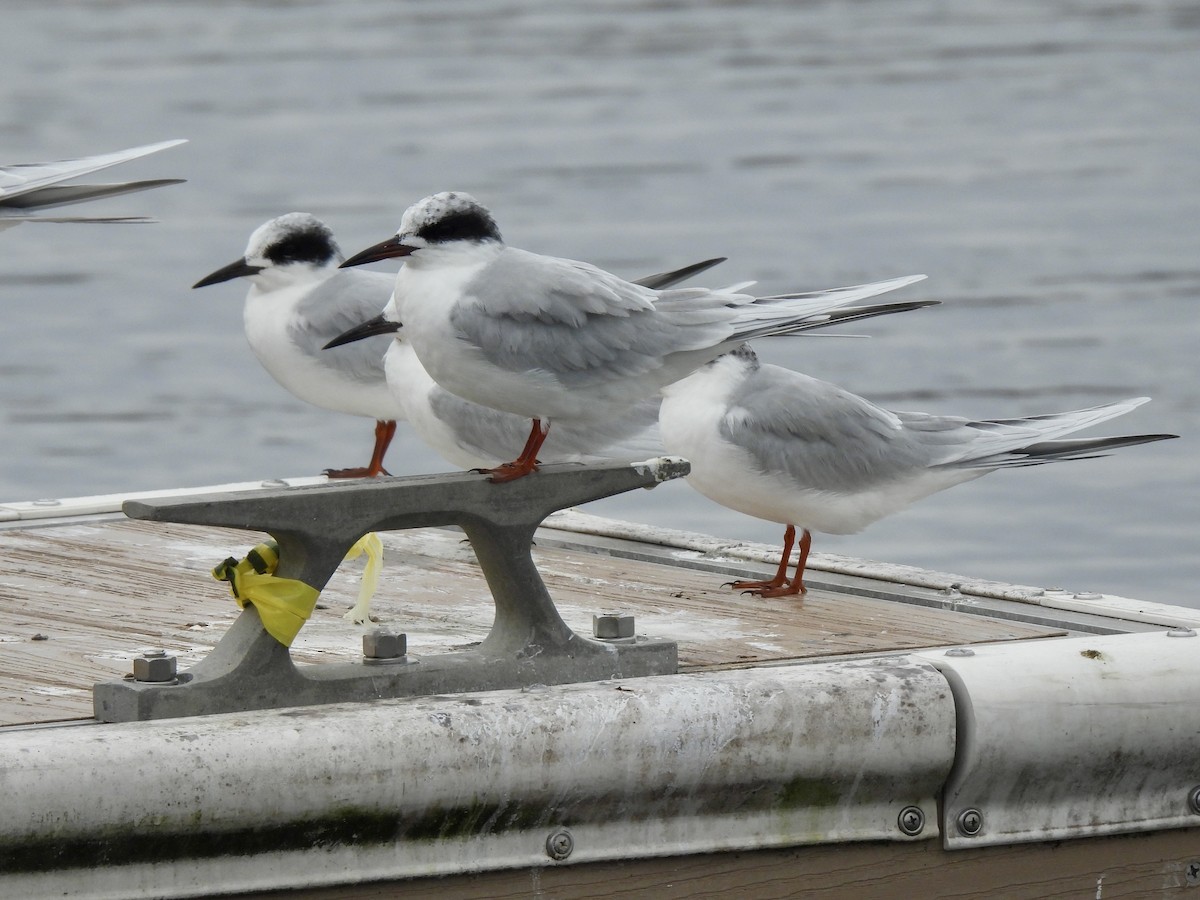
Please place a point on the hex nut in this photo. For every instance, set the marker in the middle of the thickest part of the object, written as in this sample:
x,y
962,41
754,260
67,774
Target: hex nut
x,y
379,643
155,668
612,626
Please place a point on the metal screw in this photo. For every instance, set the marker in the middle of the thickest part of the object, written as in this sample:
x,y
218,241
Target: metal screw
x,y
1194,800
381,644
960,651
154,666
1181,632
970,822
560,844
911,820
612,626
1191,873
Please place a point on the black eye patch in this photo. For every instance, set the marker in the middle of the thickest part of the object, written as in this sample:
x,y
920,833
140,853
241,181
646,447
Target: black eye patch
x,y
467,225
310,246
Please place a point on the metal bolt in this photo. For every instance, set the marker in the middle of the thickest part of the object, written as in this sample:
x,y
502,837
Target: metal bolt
x,y
1181,632
1191,873
1088,595
612,626
970,822
560,844
911,820
381,644
960,651
154,666
1194,800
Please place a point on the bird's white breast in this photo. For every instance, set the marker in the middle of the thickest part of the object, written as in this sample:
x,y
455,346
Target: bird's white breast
x,y
269,318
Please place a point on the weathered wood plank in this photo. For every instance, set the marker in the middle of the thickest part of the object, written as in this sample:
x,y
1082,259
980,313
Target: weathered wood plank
x,y
102,592
1130,867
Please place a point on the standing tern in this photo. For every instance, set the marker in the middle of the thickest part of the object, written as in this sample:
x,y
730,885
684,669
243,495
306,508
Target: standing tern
x,y
781,446
554,339
298,300
27,187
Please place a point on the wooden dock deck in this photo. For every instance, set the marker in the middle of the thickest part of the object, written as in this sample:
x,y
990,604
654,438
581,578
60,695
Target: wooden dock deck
x,y
79,601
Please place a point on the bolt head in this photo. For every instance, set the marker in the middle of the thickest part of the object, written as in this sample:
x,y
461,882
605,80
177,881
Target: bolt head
x,y
155,667
1194,800
559,844
911,820
379,643
612,626
1191,873
970,822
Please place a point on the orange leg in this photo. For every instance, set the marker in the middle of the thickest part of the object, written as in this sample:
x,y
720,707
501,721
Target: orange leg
x,y
789,537
384,432
780,586
526,462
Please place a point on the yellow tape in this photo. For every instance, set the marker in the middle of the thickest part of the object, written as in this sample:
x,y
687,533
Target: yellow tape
x,y
373,547
285,604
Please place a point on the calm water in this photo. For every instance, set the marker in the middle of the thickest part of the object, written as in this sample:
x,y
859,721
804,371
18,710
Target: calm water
x,y
1037,159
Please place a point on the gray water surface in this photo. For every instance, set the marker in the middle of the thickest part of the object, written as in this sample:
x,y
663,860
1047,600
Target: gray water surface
x,y
1038,160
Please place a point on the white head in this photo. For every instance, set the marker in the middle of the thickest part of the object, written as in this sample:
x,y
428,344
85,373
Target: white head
x,y
451,219
292,248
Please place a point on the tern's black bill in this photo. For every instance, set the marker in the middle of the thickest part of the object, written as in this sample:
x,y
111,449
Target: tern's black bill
x,y
236,269
388,249
370,328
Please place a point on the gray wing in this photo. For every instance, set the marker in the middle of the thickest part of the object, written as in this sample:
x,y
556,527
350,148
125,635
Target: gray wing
x,y
569,319
819,435
337,305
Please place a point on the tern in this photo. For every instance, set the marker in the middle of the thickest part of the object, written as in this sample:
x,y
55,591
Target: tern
x,y
558,340
298,300
787,448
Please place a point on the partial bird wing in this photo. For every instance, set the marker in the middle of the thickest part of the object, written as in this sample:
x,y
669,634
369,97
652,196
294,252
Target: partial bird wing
x,y
22,178
336,305
816,434
572,321
992,443
26,187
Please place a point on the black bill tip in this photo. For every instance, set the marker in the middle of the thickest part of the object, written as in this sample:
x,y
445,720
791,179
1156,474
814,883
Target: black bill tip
x,y
236,269
389,249
370,328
